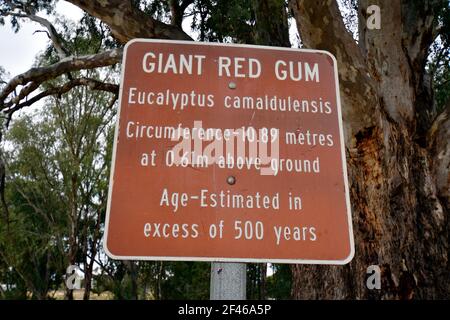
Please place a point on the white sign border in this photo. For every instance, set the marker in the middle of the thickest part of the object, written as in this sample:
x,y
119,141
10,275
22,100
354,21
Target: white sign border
x,y
221,259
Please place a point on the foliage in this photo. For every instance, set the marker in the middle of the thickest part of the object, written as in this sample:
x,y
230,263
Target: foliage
x,y
279,284
185,280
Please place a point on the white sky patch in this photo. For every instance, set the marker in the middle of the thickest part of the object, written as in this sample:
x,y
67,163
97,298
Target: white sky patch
x,y
294,36
270,270
69,10
18,50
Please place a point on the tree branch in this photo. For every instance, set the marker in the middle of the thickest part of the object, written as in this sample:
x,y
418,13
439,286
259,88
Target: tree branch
x,y
34,77
54,36
91,83
127,22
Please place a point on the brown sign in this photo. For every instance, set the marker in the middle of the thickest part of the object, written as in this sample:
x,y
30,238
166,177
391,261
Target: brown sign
x,y
228,153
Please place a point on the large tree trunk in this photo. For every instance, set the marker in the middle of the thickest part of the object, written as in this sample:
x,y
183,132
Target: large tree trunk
x,y
397,159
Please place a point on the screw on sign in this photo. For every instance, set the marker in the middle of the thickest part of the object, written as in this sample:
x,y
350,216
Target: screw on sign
x,y
228,153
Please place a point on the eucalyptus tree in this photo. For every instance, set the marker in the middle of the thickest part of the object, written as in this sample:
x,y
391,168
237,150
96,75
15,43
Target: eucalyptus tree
x,y
397,140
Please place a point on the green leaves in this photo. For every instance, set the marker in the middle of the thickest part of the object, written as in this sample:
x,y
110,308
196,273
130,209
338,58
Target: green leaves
x,y
58,163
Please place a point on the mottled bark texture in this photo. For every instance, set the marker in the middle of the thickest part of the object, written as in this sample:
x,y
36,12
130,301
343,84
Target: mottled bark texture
x,y
398,157
127,22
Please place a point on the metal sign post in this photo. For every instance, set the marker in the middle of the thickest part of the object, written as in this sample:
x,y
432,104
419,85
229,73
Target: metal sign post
x,y
228,281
